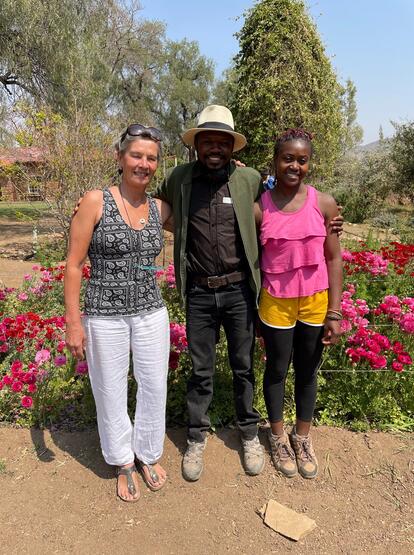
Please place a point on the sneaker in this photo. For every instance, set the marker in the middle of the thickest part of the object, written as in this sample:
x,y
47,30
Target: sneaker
x,y
305,455
253,456
283,456
192,465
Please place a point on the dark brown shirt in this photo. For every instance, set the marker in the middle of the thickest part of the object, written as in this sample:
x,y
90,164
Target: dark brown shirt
x,y
214,245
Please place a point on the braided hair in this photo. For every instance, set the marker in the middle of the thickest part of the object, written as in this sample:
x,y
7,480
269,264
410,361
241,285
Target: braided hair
x,y
291,134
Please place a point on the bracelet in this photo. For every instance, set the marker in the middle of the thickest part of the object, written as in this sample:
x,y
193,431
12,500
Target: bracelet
x,y
334,311
335,318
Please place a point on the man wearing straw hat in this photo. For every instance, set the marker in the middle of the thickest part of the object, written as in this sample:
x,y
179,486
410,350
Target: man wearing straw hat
x,y
217,274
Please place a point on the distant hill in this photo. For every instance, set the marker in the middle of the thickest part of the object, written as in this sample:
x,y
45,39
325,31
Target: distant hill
x,y
371,147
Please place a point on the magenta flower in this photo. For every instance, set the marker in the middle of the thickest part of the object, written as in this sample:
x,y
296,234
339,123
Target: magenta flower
x,y
60,360
32,388
81,367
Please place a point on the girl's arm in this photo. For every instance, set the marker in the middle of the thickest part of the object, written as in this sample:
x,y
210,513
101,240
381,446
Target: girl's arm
x,y
333,259
80,236
258,215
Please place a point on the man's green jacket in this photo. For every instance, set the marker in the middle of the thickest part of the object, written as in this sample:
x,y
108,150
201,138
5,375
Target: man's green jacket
x,y
244,186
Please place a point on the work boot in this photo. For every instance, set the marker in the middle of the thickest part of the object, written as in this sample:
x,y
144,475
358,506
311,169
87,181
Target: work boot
x,y
253,456
192,465
283,456
305,455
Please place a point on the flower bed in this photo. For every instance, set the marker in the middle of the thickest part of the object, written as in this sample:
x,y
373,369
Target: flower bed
x,y
366,380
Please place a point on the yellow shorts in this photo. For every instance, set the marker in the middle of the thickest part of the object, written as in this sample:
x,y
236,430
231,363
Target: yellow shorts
x,y
278,312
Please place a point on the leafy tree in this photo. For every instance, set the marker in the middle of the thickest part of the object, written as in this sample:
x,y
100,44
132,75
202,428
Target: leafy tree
x,y
225,88
91,55
352,133
360,184
182,90
284,79
402,155
78,155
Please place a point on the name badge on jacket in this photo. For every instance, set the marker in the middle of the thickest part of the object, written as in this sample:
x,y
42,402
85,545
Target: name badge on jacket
x,y
227,200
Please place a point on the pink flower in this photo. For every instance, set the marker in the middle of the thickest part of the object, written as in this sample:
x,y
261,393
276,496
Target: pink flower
x,y
7,380
22,296
32,388
60,360
346,326
81,367
391,300
27,277
347,256
27,401
407,323
42,356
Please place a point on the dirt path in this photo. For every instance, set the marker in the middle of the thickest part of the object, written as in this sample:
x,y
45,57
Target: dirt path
x,y
58,497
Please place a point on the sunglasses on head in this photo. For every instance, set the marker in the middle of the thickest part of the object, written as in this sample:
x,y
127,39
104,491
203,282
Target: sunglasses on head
x,y
138,130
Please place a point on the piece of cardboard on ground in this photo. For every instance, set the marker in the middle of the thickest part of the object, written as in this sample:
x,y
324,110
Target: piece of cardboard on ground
x,y
285,521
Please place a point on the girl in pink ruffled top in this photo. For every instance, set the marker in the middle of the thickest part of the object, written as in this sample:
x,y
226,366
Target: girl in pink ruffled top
x,y
300,301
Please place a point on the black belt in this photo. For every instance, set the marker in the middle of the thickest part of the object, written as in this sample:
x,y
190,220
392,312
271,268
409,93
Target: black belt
x,y
213,282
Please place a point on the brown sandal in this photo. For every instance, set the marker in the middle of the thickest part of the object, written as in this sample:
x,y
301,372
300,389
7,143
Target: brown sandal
x,y
153,475
128,472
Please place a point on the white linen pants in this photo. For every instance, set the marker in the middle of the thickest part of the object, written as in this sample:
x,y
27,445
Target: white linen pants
x,y
108,345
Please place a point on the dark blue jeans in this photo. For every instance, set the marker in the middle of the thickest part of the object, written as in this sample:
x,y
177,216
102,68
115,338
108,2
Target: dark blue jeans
x,y
232,307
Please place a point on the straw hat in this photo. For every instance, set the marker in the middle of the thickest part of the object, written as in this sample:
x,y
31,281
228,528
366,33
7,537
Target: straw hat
x,y
215,118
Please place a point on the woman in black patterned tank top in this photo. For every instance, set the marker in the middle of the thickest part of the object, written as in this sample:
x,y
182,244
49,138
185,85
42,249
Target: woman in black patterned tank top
x,y
120,229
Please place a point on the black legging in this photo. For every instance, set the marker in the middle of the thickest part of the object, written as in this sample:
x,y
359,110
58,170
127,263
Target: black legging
x,y
304,342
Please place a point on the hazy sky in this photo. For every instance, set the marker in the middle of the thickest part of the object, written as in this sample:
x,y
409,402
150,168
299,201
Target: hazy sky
x,y
368,41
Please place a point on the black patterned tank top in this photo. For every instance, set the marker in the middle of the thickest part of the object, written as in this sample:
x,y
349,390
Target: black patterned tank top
x,y
122,281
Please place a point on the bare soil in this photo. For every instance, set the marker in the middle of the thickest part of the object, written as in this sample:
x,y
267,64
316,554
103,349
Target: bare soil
x,y
58,496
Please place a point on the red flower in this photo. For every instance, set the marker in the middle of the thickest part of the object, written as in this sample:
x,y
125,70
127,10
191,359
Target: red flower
x,y
27,401
397,366
17,386
404,358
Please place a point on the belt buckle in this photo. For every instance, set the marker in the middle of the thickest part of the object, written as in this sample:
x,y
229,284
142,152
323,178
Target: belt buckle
x,y
214,281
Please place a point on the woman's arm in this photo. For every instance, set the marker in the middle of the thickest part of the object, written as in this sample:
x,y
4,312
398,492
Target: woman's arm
x,y
333,259
80,236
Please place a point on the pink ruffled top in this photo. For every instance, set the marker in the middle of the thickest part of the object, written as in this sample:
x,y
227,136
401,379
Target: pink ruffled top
x,y
292,259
